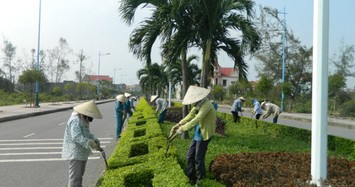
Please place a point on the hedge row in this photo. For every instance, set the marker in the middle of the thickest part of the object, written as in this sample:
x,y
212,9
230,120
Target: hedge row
x,y
139,158
338,145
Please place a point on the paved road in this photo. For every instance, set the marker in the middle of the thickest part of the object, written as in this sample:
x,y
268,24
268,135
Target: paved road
x,y
30,149
337,127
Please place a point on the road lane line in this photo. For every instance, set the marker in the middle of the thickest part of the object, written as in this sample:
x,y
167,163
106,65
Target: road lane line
x,y
32,148
42,160
44,143
39,140
36,153
29,135
60,124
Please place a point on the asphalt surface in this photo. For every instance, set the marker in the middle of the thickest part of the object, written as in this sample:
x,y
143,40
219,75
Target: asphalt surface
x,y
30,145
8,113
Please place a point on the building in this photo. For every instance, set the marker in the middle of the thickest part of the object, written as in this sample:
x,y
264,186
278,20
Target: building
x,y
224,76
94,78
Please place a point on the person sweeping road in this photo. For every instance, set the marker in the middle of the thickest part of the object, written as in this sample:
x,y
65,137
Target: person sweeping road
x,y
78,141
202,118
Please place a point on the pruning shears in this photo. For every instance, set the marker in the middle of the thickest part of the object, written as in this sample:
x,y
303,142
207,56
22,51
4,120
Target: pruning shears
x,y
104,156
170,139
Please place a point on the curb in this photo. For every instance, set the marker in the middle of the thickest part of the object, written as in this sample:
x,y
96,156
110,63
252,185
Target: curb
x,y
32,114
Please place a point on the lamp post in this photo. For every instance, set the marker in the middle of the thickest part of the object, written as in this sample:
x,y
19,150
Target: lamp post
x,y
114,74
283,58
38,49
98,72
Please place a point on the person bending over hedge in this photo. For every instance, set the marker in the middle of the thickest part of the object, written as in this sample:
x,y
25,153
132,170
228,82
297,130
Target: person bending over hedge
x,y
202,118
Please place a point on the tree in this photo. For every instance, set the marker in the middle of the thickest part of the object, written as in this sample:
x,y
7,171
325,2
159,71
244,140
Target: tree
x,y
85,90
10,52
298,58
263,87
58,60
344,61
153,79
81,58
214,21
29,77
68,87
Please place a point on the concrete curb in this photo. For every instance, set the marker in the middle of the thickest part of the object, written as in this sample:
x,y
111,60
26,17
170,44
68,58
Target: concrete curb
x,y
32,114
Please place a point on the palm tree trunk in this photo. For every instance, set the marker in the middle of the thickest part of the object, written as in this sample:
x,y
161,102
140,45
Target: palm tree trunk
x,y
206,64
185,84
185,80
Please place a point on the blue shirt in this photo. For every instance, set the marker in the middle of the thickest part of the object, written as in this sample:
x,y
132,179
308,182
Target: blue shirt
x,y
119,108
237,106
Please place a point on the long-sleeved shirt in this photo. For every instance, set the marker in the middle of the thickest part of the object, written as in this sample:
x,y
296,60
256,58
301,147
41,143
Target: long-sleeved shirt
x,y
205,116
257,109
119,108
271,108
76,139
161,105
237,106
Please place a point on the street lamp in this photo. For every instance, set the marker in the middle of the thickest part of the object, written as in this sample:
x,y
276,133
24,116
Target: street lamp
x,y
98,71
114,74
38,49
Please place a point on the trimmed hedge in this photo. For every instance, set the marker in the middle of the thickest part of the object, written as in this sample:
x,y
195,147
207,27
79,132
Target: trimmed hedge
x,y
139,158
338,145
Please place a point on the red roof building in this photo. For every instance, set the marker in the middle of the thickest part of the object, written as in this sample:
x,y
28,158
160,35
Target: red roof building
x,y
94,78
224,76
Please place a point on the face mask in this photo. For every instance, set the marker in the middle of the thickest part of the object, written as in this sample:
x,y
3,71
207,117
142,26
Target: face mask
x,y
88,118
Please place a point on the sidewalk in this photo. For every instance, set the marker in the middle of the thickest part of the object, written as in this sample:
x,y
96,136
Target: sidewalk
x,y
336,122
8,113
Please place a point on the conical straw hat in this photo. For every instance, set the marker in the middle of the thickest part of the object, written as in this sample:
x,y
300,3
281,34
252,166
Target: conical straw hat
x,y
241,98
194,94
89,109
127,94
121,98
153,97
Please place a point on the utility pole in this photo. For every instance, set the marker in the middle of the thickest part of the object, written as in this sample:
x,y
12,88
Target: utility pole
x,y
38,52
283,57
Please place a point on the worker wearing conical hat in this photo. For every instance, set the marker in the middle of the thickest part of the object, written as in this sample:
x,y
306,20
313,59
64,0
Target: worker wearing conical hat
x,y
161,107
270,108
78,140
120,114
202,118
236,108
129,104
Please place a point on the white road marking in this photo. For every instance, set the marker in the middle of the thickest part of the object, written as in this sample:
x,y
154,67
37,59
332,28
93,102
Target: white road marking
x,y
32,148
29,135
42,160
36,153
62,123
44,143
39,140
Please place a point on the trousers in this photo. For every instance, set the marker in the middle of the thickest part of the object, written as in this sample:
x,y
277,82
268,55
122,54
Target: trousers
x,y
76,172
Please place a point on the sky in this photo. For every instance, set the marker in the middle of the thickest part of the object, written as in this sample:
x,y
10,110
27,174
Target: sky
x,y
95,26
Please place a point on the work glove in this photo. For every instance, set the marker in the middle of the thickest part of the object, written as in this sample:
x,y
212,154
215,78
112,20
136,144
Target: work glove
x,y
92,144
174,129
99,149
180,131
253,112
97,142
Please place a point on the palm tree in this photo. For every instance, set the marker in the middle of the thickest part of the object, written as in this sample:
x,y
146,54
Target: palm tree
x,y
214,20
152,79
175,71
